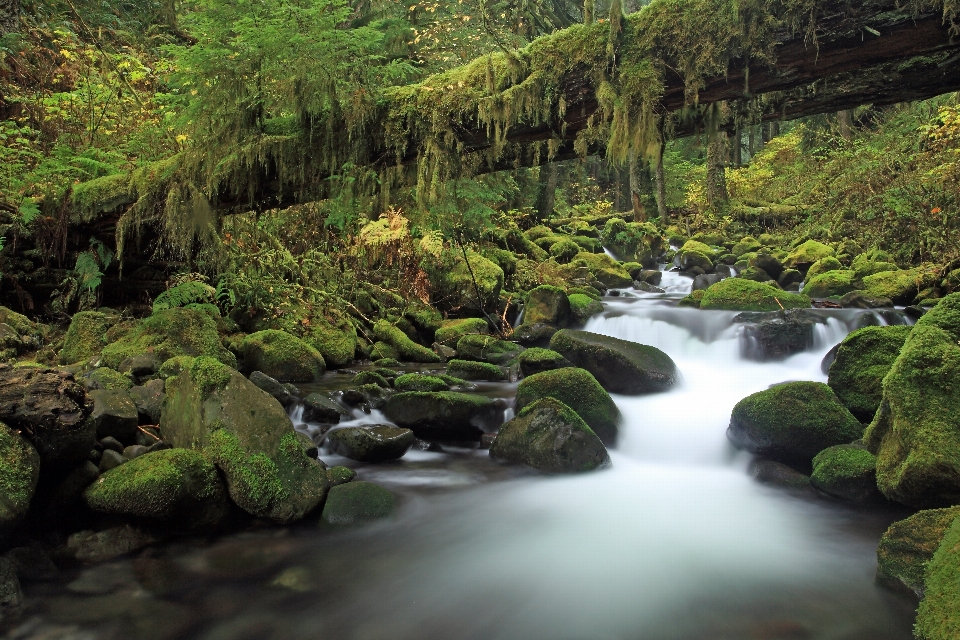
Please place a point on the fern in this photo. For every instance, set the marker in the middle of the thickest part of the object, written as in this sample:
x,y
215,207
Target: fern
x,y
88,271
183,294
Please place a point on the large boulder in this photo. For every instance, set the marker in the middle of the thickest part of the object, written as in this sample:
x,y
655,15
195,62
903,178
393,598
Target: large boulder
x,y
899,286
768,264
444,415
473,370
115,415
406,348
357,502
619,365
547,304
864,266
804,255
580,391
149,401
248,435
737,294
487,349
86,336
170,333
52,408
536,360
908,545
178,488
938,617
420,382
833,283
379,443
451,331
774,335
19,472
863,360
792,422
639,241
605,269
281,356
823,265
329,330
848,472
549,436
583,307
915,434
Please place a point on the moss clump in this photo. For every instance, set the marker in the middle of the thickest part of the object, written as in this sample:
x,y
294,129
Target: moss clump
x,y
537,360
635,241
846,471
792,422
899,286
19,472
254,477
737,294
747,244
174,366
823,265
419,382
699,247
371,377
590,292
106,193
693,299
564,250
605,269
209,375
169,333
107,378
472,370
547,304
908,545
328,330
86,336
487,349
383,351
938,617
281,356
582,307
406,348
191,292
452,330
863,360
455,285
863,266
808,253
831,284
580,391
19,322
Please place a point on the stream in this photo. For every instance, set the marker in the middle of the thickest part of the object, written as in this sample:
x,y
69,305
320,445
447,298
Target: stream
x,y
676,541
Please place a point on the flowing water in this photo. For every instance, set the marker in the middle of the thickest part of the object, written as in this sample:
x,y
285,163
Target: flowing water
x,y
675,541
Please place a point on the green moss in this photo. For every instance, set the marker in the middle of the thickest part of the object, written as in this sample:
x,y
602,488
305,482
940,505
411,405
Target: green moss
x,y
590,292
254,475
808,253
830,283
938,617
95,196
383,351
328,330
564,250
699,247
407,348
169,333
209,375
487,349
191,292
86,336
582,307
747,244
607,270
356,502
737,294
537,232
282,356
19,472
637,241
107,378
580,391
370,377
174,366
842,462
823,265
863,266
899,286
420,382
863,360
909,544
693,299
452,330
472,370
537,360
546,304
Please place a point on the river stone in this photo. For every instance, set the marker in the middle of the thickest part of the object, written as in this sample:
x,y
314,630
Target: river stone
x,y
115,415
99,546
938,617
419,382
537,360
860,300
248,435
19,472
282,356
319,407
739,294
53,408
340,475
487,349
831,284
444,415
534,335
704,281
549,436
776,335
356,502
470,370
580,391
862,362
620,366
792,422
11,595
149,401
178,488
789,277
404,346
848,472
273,386
908,545
379,443
547,304
777,474
650,276
768,263
145,364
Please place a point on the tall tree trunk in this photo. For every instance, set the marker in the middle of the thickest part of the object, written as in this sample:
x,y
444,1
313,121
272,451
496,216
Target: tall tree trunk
x,y
774,129
9,16
637,191
717,194
661,188
845,122
737,148
752,141
548,190
624,200
588,7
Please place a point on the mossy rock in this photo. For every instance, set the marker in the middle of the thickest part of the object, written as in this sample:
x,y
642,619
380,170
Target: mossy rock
x,y
563,251
424,318
455,285
699,247
899,286
737,294
328,330
823,265
452,330
383,351
282,356
20,323
833,283
444,415
689,260
248,435
582,308
914,434
170,333
506,260
863,360
621,366
419,382
371,377
908,545
537,360
580,391
755,274
641,242
540,231
605,269
548,305
407,348
792,422
938,617
106,378
747,244
86,336
487,349
864,266
357,502
473,370
804,255
693,299
378,443
19,473
847,472
179,488
549,436
191,292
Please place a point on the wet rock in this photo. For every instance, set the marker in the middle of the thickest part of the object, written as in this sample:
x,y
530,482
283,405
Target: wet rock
x,y
444,415
547,304
444,351
472,370
319,407
650,276
110,460
357,502
792,422
134,451
862,361
848,472
537,360
486,441
145,364
112,444
534,335
583,307
647,288
769,264
620,366
756,274
777,474
549,436
407,348
704,281
860,300
274,388
19,473
310,447
149,401
114,414
282,356
938,617
32,564
580,391
789,278
99,546
370,377
379,443
908,545
340,475
828,360
777,335
419,382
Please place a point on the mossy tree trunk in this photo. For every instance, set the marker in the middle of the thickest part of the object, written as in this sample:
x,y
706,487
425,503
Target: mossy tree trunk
x,y
639,187
717,194
548,190
845,123
660,192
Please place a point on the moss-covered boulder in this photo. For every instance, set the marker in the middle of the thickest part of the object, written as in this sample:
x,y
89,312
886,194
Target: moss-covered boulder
x,y
938,617
383,351
565,250
737,294
619,365
473,370
899,286
357,502
537,360
178,488
699,247
792,422
444,415
605,269
863,360
549,436
407,348
106,378
641,242
169,333
548,305
371,377
86,336
864,266
582,308
19,472
452,330
693,299
908,545
915,434
487,349
688,260
281,356
419,382
823,265
115,415
329,330
455,285
804,255
747,244
379,443
248,435
580,391
834,283
848,472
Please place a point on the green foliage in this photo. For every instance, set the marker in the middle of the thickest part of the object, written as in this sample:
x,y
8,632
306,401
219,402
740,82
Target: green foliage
x,y
91,264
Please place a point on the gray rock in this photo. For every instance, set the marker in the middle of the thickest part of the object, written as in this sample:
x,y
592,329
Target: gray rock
x,y
444,415
620,366
534,335
650,276
379,443
860,300
340,475
778,474
110,460
114,414
149,400
140,366
704,281
768,263
134,451
112,444
309,447
318,407
32,564
98,546
790,278
776,335
274,388
648,288
10,592
356,502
